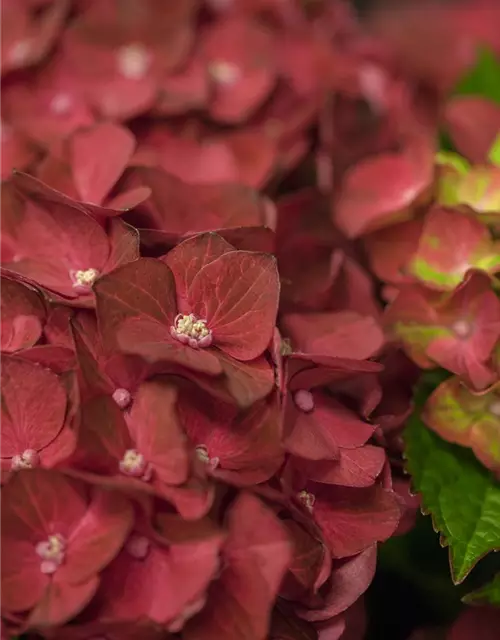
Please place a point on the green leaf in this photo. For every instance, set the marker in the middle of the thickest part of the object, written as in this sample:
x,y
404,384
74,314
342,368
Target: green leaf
x,y
494,154
483,79
489,594
460,494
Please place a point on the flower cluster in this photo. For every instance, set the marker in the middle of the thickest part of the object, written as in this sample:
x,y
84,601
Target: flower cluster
x,y
440,265
201,407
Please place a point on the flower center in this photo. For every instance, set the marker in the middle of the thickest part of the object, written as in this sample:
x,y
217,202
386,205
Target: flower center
x,y
122,397
61,103
133,61
137,546
83,279
52,552
223,72
203,455
307,499
134,464
304,400
26,460
462,328
495,408
20,51
192,331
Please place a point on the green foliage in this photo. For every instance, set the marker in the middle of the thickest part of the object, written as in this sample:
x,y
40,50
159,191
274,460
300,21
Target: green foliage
x,y
494,154
489,594
460,494
483,79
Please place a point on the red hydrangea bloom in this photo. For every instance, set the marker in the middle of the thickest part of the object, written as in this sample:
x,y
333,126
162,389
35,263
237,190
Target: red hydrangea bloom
x,y
386,188
334,279
178,209
318,424
255,555
241,449
103,371
23,315
46,106
143,449
198,155
204,306
56,244
184,90
57,536
461,117
467,418
199,474
120,54
451,243
57,330
449,33
36,432
391,249
457,331
311,562
161,577
348,580
241,61
29,31
341,334
88,165
351,518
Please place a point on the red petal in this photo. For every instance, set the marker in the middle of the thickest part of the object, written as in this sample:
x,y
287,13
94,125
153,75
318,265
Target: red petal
x,y
247,446
36,503
461,117
238,296
123,244
247,382
59,359
62,601
347,583
381,190
153,341
180,208
308,561
103,436
343,334
54,237
319,434
257,556
29,421
155,429
23,314
355,467
189,258
452,243
98,157
353,519
163,585
23,583
247,48
98,537
141,290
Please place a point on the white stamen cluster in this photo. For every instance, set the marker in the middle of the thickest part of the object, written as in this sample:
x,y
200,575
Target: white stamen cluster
x,y
52,552
135,465
191,330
